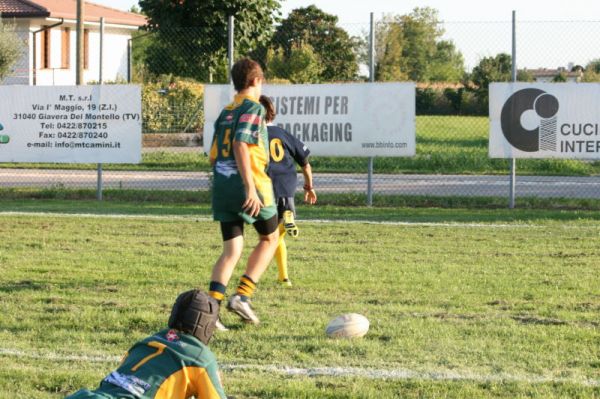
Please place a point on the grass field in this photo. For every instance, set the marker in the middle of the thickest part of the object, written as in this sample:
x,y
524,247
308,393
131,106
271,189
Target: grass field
x,y
445,145
462,304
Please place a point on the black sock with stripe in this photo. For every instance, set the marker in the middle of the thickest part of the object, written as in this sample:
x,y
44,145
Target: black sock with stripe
x,y
217,291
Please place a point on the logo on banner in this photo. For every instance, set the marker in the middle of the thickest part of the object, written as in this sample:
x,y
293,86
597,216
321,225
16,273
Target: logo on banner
x,y
529,120
4,138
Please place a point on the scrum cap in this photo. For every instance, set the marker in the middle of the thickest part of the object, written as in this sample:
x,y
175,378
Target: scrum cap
x,y
195,313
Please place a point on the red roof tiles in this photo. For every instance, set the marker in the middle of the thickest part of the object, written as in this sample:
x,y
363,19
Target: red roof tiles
x,y
68,9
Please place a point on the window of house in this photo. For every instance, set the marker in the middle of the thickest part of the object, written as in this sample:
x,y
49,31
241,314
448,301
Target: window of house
x,y
45,49
66,48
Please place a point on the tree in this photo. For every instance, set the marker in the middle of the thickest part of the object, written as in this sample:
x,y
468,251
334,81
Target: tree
x,y
421,31
409,47
592,71
301,66
11,47
560,77
490,69
389,60
593,66
311,26
524,75
191,35
447,65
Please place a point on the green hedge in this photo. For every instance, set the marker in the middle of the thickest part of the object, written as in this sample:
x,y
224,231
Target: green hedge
x,y
450,102
173,105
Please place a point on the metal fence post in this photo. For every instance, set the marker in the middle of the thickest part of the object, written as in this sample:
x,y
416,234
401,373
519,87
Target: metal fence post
x,y
513,162
79,79
100,82
129,60
230,44
371,79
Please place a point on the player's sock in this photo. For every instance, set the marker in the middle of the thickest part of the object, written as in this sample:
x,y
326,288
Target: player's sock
x,y
290,224
217,291
246,288
281,255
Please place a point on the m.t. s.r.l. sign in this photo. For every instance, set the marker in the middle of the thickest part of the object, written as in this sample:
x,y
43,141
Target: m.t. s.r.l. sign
x,y
544,120
71,124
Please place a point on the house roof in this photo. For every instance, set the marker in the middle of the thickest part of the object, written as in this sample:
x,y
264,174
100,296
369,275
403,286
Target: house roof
x,y
67,9
550,73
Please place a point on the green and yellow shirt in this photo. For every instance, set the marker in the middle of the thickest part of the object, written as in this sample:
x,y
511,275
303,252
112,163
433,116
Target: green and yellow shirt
x,y
242,120
167,365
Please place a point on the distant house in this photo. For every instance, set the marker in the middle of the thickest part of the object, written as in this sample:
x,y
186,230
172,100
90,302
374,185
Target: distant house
x,y
544,75
48,30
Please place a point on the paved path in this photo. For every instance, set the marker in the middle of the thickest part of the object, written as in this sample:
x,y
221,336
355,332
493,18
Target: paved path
x,y
427,185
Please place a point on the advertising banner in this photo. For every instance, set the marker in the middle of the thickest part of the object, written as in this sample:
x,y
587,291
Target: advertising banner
x,y
351,119
71,124
551,120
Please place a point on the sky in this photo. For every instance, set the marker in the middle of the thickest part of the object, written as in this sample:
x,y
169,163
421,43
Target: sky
x,y
481,28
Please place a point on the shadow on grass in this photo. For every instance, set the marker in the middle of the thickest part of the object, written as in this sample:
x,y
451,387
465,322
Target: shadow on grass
x,y
23,285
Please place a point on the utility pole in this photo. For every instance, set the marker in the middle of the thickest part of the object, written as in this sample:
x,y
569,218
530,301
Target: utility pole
x,y
79,51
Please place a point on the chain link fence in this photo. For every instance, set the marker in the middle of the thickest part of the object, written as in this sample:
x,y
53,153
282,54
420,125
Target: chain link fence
x,y
452,66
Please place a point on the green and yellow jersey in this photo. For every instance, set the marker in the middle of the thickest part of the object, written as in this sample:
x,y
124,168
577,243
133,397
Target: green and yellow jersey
x,y
167,365
242,120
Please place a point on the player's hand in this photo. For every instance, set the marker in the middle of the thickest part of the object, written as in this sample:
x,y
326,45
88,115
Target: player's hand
x,y
252,204
310,196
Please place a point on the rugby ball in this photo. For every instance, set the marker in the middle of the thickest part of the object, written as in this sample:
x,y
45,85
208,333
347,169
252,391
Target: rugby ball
x,y
350,325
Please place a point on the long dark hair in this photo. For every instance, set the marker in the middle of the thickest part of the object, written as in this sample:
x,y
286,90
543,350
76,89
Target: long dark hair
x,y
269,107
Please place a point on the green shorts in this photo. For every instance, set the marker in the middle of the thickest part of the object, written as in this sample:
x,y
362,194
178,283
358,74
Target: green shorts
x,y
265,213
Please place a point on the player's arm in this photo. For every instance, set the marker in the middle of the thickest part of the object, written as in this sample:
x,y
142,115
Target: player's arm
x,y
310,196
212,156
247,134
252,204
300,152
214,148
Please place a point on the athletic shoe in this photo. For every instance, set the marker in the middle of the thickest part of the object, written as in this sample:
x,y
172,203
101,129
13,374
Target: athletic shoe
x,y
242,309
286,282
290,224
220,326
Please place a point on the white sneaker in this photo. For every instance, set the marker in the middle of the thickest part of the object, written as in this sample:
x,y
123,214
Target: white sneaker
x,y
220,326
242,309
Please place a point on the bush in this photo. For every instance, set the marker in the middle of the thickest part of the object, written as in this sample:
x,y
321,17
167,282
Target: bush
x,y
433,102
173,105
449,101
10,49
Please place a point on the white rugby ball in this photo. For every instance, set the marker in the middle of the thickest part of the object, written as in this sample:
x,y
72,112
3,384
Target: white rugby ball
x,y
350,325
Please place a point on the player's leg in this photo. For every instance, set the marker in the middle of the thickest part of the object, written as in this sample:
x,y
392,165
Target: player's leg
x,y
288,214
281,251
233,244
258,262
281,257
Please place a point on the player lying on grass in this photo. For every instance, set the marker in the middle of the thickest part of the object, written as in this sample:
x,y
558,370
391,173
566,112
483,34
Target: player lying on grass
x,y
174,363
242,190
286,152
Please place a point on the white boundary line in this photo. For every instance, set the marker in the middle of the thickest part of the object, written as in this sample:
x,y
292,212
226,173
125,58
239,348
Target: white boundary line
x,y
308,221
377,374
204,218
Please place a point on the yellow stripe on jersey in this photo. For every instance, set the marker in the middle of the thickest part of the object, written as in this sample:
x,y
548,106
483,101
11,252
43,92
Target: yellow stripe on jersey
x,y
188,382
262,181
213,151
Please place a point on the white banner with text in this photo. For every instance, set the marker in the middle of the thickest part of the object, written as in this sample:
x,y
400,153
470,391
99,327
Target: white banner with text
x,y
550,120
350,119
71,124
